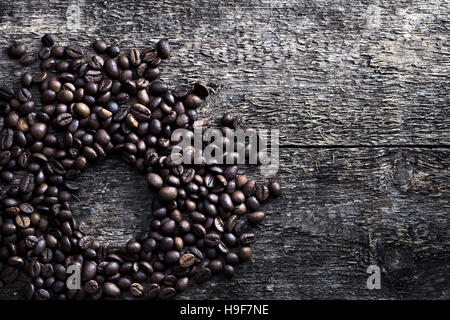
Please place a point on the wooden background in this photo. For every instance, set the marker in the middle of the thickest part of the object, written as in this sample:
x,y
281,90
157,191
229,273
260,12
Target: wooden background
x,y
360,92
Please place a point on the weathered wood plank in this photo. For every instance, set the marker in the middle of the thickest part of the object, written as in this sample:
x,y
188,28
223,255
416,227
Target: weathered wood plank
x,y
325,72
342,211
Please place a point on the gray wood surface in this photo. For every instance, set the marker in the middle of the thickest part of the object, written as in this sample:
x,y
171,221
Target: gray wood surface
x,y
360,92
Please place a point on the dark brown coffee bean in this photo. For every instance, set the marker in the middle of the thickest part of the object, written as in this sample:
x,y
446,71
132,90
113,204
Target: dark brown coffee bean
x,y
27,80
44,53
111,289
96,62
275,189
135,57
27,58
163,48
100,46
48,40
202,275
111,68
91,287
192,101
74,51
201,90
152,291
58,52
9,275
16,50
261,192
27,183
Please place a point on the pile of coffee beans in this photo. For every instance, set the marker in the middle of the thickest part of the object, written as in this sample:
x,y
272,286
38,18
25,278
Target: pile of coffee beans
x,y
90,108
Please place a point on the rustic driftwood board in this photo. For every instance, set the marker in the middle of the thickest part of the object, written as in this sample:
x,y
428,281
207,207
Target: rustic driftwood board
x,y
360,92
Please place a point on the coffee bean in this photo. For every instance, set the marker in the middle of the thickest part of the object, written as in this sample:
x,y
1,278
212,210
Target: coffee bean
x,y
44,53
26,81
163,48
16,50
135,57
27,183
27,58
81,110
29,291
39,130
111,68
152,291
262,192
201,90
140,112
58,52
48,40
275,189
6,93
96,62
256,217
100,46
187,260
91,287
73,51
136,289
111,289
113,51
167,193
9,275
154,180
202,275
157,88
192,101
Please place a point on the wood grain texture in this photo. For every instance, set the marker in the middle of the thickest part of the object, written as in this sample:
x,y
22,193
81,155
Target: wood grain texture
x,y
330,75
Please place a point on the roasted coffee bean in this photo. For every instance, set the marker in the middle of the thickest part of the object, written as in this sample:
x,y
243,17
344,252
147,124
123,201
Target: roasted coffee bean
x,y
202,275
26,81
140,112
163,48
113,51
48,40
58,52
6,93
111,68
136,289
74,51
111,289
256,217
27,58
192,101
96,62
261,192
64,119
9,274
187,260
17,50
44,53
152,291
100,46
135,57
275,189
